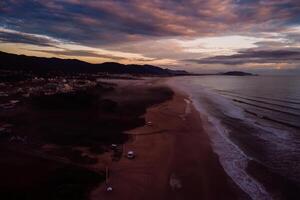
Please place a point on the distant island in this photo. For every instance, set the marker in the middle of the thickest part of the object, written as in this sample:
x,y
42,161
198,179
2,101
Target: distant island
x,y
237,73
229,73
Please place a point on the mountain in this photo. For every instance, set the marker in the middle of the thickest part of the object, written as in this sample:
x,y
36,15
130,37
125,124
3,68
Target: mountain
x,y
45,65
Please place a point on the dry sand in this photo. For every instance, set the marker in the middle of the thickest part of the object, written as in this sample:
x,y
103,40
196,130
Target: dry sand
x,y
174,159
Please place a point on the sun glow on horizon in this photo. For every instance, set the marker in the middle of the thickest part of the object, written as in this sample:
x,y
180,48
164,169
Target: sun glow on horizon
x,y
164,33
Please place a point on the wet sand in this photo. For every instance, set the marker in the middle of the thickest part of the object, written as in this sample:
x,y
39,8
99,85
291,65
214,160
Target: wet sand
x,y
174,159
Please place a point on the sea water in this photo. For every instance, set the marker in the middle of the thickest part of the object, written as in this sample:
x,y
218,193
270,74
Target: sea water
x,y
252,119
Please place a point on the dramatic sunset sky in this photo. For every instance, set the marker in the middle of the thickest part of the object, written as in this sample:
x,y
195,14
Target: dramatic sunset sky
x,y
196,35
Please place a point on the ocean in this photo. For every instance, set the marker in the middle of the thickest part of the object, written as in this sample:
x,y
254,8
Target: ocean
x,y
254,126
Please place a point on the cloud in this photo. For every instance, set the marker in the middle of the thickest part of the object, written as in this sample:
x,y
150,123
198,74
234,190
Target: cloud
x,y
253,56
81,53
7,35
178,32
106,21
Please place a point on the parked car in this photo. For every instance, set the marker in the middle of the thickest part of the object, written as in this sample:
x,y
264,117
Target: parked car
x,y
130,155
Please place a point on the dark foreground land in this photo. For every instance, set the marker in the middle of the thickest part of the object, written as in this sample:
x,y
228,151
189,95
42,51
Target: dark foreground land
x,y
49,142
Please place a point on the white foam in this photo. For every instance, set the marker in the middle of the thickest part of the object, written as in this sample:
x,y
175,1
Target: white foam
x,y
226,105
187,107
232,158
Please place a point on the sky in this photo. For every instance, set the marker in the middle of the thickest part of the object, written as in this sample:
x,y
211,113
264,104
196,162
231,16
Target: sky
x,y
204,36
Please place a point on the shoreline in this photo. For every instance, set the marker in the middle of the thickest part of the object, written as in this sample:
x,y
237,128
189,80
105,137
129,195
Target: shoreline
x,y
174,159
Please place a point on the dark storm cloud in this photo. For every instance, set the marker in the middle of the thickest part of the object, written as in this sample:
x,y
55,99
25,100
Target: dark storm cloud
x,y
253,56
95,22
80,53
17,37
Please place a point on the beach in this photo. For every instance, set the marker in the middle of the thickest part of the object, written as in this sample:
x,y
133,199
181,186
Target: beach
x,y
67,151
174,159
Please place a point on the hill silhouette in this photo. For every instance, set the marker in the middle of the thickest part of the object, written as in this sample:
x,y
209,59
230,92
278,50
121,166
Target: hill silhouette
x,y
46,65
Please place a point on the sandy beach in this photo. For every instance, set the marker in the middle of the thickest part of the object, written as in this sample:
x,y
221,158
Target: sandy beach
x,y
174,159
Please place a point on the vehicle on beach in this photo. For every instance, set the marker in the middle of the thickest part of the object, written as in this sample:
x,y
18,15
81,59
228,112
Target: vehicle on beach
x,y
149,123
130,155
109,189
114,146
